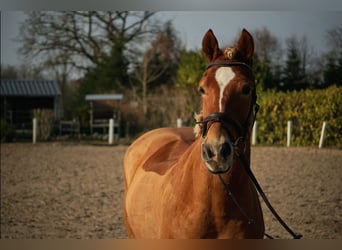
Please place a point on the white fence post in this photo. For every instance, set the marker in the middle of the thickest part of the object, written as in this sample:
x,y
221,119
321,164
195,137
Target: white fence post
x,y
254,133
321,140
179,122
34,130
289,132
111,131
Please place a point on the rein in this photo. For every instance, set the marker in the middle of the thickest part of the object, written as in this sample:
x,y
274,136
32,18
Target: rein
x,y
248,170
225,120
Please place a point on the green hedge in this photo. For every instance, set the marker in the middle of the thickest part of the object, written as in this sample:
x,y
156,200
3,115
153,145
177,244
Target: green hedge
x,y
307,110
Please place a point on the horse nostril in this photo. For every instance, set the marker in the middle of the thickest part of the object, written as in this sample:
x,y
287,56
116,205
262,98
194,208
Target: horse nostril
x,y
225,150
207,152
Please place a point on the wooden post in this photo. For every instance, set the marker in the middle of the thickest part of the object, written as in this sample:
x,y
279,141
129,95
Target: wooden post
x,y
321,140
111,131
289,132
254,133
34,130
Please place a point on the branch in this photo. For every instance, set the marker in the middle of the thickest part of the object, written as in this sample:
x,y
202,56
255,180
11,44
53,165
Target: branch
x,y
80,34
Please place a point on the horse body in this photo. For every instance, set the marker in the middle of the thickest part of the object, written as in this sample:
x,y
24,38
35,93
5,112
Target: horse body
x,y
173,192
172,195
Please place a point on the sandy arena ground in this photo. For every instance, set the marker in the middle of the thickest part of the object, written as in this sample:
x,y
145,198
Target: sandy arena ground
x,y
54,190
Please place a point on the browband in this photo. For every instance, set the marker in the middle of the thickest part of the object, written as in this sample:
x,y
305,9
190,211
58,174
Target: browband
x,y
229,64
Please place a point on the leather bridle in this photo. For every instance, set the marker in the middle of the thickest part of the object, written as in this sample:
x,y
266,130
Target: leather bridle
x,y
227,121
242,131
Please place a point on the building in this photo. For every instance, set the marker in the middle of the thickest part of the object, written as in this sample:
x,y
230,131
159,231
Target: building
x,y
20,97
103,107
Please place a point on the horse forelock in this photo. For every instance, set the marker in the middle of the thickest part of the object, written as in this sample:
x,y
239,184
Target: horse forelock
x,y
232,54
229,53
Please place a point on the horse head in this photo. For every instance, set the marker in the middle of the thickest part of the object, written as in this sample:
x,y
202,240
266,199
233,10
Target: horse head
x,y
228,101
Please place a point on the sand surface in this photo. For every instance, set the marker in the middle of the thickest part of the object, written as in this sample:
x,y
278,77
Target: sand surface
x,y
55,190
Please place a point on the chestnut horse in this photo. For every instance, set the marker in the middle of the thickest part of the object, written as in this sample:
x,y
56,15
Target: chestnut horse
x,y
172,189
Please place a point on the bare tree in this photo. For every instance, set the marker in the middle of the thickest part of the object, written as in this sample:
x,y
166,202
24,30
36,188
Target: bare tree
x,y
144,75
24,71
80,39
159,61
267,46
267,59
333,58
334,39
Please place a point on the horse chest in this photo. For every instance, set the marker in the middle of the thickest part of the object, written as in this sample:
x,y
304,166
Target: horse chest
x,y
191,217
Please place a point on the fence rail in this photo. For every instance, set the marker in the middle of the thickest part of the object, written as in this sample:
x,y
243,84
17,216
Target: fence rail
x,y
73,126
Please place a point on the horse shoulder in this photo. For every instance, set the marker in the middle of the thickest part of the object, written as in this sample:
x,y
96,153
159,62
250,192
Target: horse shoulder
x,y
157,150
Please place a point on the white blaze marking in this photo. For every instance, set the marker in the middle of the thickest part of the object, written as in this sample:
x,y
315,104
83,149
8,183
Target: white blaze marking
x,y
223,77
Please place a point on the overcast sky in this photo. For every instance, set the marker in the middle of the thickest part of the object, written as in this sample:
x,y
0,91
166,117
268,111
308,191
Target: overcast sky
x,y
192,25
227,24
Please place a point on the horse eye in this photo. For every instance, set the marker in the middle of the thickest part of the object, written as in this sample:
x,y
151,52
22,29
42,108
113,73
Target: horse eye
x,y
246,90
201,90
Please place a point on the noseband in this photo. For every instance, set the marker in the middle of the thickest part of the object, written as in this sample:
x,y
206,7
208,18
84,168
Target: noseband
x,y
226,120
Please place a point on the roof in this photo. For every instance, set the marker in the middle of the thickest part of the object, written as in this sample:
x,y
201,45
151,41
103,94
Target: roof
x,y
29,88
103,97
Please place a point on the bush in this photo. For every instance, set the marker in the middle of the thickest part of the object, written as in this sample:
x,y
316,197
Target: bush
x,y
7,131
165,105
307,109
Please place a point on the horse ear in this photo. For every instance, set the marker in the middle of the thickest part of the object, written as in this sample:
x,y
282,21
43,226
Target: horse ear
x,y
210,46
245,46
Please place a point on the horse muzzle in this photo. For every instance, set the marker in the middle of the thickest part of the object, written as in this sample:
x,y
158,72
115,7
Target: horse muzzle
x,y
218,158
